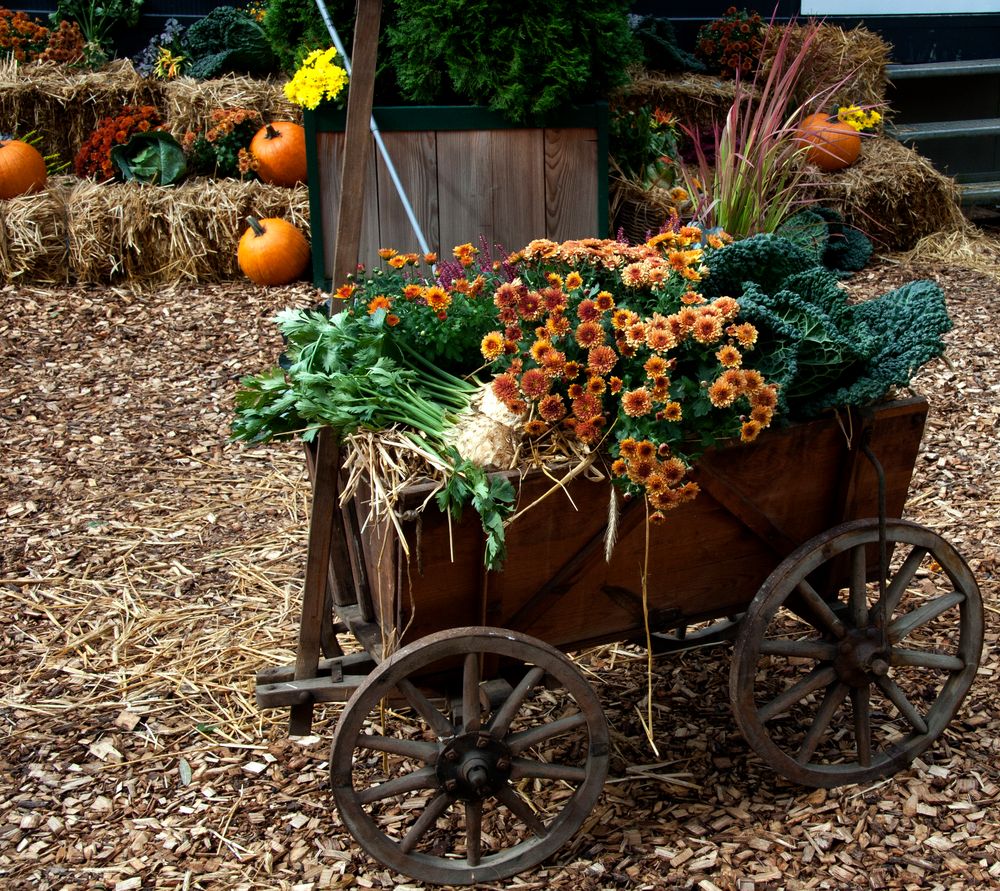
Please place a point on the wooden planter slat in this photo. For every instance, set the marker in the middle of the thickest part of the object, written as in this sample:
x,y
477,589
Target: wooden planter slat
x,y
468,175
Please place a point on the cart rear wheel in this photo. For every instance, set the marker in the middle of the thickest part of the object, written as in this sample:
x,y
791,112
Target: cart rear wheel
x,y
820,692
481,783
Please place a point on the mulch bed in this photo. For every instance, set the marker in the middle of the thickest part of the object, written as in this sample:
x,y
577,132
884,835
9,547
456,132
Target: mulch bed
x,y
149,568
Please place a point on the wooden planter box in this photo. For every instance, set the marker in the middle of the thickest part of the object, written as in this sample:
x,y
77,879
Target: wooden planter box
x,y
468,174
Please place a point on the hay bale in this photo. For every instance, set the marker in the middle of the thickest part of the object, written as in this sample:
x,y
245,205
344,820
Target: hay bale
x,y
698,100
857,58
189,102
893,195
152,235
33,236
64,105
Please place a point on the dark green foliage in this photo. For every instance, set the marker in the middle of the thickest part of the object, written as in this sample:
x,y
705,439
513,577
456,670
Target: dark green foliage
x,y
294,28
153,157
660,49
823,234
822,350
521,60
228,40
807,230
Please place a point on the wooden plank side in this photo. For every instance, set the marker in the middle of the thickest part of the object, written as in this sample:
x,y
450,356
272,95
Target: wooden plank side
x,y
330,148
414,155
570,183
517,158
465,193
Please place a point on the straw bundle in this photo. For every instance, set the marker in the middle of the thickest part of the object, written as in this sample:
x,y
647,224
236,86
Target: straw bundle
x,y
188,102
857,58
893,195
79,230
64,106
33,235
695,99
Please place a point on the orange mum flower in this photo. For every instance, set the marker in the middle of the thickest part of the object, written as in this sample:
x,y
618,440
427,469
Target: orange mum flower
x,y
572,370
753,380
655,366
589,334
749,431
412,291
575,391
529,305
554,279
746,334
397,262
552,408
437,297
492,346
621,319
535,383
708,329
392,320
596,385
539,348
465,253
377,303
615,384
386,253
672,411
766,397
761,415
601,359
641,469
587,432
691,298
637,403
344,292
645,449
722,394
505,388
605,301
573,281
619,467
534,427
673,470
587,311
729,357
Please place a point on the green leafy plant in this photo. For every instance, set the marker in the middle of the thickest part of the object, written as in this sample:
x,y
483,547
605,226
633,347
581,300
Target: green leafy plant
x,y
155,158
522,60
294,28
643,146
94,156
223,148
756,180
97,20
228,40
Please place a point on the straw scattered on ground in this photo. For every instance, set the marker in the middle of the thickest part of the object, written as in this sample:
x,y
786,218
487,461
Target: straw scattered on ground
x,y
148,569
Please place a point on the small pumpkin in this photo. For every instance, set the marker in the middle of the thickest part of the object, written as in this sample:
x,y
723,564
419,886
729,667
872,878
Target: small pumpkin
x,y
280,150
22,168
272,252
832,144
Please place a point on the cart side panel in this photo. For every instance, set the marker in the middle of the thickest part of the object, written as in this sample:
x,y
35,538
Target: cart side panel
x,y
707,560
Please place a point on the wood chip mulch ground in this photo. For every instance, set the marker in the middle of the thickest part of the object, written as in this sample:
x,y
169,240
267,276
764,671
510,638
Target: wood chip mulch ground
x,y
148,569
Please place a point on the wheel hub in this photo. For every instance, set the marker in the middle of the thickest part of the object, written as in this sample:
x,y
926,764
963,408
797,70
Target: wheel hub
x,y
861,657
473,766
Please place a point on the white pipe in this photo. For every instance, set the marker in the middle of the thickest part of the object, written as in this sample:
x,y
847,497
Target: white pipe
x,y
410,215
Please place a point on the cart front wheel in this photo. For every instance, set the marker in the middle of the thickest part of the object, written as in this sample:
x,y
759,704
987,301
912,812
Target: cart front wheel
x,y
824,691
479,779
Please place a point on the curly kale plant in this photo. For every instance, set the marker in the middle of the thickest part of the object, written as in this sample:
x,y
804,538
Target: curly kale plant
x,y
520,60
228,39
824,351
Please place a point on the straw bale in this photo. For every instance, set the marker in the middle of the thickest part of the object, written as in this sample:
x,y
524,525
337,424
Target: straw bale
x,y
65,105
967,247
189,102
33,236
699,100
857,58
152,235
893,195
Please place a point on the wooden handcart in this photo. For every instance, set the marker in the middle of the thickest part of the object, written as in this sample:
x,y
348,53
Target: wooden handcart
x,y
470,748
856,637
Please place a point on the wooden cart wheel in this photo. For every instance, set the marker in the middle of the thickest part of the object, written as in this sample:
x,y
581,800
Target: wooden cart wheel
x,y
820,693
484,788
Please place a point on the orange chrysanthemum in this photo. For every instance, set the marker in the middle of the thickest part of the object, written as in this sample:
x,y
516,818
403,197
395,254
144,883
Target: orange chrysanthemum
x,y
627,447
505,388
535,383
601,359
534,427
707,330
729,357
589,334
619,467
378,302
492,346
552,408
722,394
573,281
437,297
672,411
637,402
749,431
604,301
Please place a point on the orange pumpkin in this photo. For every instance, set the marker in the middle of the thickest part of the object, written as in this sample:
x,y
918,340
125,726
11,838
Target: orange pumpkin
x,y
280,150
272,252
22,168
832,144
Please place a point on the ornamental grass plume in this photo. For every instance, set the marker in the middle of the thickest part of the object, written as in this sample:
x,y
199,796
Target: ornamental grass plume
x,y
757,178
318,78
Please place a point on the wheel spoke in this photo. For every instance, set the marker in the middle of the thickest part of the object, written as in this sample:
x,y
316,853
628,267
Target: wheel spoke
x,y
816,679
821,609
528,767
901,579
419,779
471,709
859,590
912,620
800,649
441,726
861,704
835,695
408,748
518,742
505,714
903,705
424,822
473,832
520,808
922,659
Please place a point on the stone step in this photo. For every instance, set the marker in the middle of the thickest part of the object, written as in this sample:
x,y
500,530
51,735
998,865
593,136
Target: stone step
x,y
981,193
945,129
943,69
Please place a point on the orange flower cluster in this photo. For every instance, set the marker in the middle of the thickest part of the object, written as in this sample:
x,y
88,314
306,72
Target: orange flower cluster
x,y
28,40
580,361
732,43
223,149
94,157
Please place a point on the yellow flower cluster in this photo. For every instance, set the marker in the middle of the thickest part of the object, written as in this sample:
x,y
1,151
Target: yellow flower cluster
x,y
859,118
318,78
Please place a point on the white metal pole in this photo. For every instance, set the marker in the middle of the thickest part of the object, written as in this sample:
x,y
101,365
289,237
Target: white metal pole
x,y
410,215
